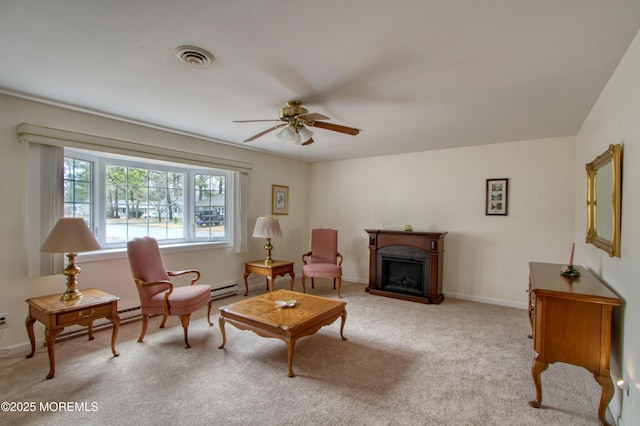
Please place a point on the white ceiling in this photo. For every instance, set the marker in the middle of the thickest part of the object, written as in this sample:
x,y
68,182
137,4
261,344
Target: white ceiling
x,y
414,75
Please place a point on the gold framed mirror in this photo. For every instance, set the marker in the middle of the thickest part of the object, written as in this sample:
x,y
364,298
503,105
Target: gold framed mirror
x,y
604,200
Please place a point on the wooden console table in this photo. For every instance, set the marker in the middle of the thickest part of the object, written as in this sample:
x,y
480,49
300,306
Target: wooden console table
x,y
275,269
56,314
571,323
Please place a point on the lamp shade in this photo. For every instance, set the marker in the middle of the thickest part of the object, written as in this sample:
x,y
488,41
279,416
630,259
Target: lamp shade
x,y
267,227
70,235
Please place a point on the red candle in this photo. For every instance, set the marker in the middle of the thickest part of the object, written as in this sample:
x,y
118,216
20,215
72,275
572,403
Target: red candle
x,y
573,247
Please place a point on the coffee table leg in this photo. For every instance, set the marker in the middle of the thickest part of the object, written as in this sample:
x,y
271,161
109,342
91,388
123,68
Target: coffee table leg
x,y
344,319
290,344
224,335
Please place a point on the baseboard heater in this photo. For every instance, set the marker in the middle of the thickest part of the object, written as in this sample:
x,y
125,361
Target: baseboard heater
x,y
134,314
224,291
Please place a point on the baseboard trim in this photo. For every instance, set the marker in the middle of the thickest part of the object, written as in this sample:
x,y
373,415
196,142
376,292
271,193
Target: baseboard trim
x,y
487,300
616,414
21,349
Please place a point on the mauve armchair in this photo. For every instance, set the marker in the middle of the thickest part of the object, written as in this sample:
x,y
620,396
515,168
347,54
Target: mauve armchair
x,y
324,260
158,296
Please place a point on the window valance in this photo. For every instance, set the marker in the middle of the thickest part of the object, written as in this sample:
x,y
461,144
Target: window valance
x,y
56,137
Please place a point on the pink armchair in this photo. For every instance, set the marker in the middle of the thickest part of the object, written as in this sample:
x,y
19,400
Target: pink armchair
x,y
157,294
323,261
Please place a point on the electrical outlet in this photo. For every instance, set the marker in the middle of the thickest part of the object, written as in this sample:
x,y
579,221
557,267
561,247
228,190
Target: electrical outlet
x,y
625,386
4,319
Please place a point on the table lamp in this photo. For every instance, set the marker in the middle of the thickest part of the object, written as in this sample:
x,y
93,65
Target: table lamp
x,y
267,227
70,235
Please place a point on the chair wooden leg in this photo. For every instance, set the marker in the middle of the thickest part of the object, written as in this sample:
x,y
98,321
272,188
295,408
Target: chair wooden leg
x,y
145,319
209,314
164,320
334,283
185,325
312,285
339,284
304,290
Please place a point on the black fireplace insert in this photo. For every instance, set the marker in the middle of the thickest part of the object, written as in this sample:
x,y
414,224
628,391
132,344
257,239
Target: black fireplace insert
x,y
403,270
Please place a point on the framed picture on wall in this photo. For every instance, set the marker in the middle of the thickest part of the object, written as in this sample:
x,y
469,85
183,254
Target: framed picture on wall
x,y
279,199
497,197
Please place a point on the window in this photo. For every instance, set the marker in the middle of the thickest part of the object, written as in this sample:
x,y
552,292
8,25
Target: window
x,y
78,189
134,197
88,156
209,193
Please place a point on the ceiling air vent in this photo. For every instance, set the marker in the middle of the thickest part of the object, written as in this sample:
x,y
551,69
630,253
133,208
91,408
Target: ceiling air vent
x,y
192,55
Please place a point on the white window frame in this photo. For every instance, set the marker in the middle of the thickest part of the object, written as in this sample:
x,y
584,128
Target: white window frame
x,y
102,160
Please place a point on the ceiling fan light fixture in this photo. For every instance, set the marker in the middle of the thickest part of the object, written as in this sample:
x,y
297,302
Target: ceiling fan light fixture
x,y
295,123
305,134
288,134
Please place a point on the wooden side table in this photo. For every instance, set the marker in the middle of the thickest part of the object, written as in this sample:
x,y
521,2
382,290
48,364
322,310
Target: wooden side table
x,y
277,268
56,314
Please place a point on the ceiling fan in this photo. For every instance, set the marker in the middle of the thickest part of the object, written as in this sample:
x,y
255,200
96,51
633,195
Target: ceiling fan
x,y
294,121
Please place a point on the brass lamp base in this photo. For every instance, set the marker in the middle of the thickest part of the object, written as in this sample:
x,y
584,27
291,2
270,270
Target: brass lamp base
x,y
71,271
70,294
268,247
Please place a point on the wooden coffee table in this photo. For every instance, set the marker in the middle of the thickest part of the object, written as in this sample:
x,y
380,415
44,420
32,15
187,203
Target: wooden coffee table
x,y
261,315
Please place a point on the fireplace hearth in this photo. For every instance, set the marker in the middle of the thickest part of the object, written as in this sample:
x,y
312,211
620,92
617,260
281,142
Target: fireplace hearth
x,y
406,265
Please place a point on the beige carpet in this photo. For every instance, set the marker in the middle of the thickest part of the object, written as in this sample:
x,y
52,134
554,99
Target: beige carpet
x,y
404,363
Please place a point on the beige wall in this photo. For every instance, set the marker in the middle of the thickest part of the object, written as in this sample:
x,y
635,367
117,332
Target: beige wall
x,y
218,266
614,119
486,257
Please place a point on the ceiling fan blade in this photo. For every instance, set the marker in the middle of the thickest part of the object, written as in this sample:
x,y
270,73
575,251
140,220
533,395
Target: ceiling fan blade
x,y
254,137
335,127
312,116
309,142
253,121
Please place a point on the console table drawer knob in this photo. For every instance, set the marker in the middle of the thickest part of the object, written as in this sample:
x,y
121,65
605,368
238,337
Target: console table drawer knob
x,y
82,314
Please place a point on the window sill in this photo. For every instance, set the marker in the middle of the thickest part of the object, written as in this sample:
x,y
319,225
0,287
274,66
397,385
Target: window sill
x,y
120,253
